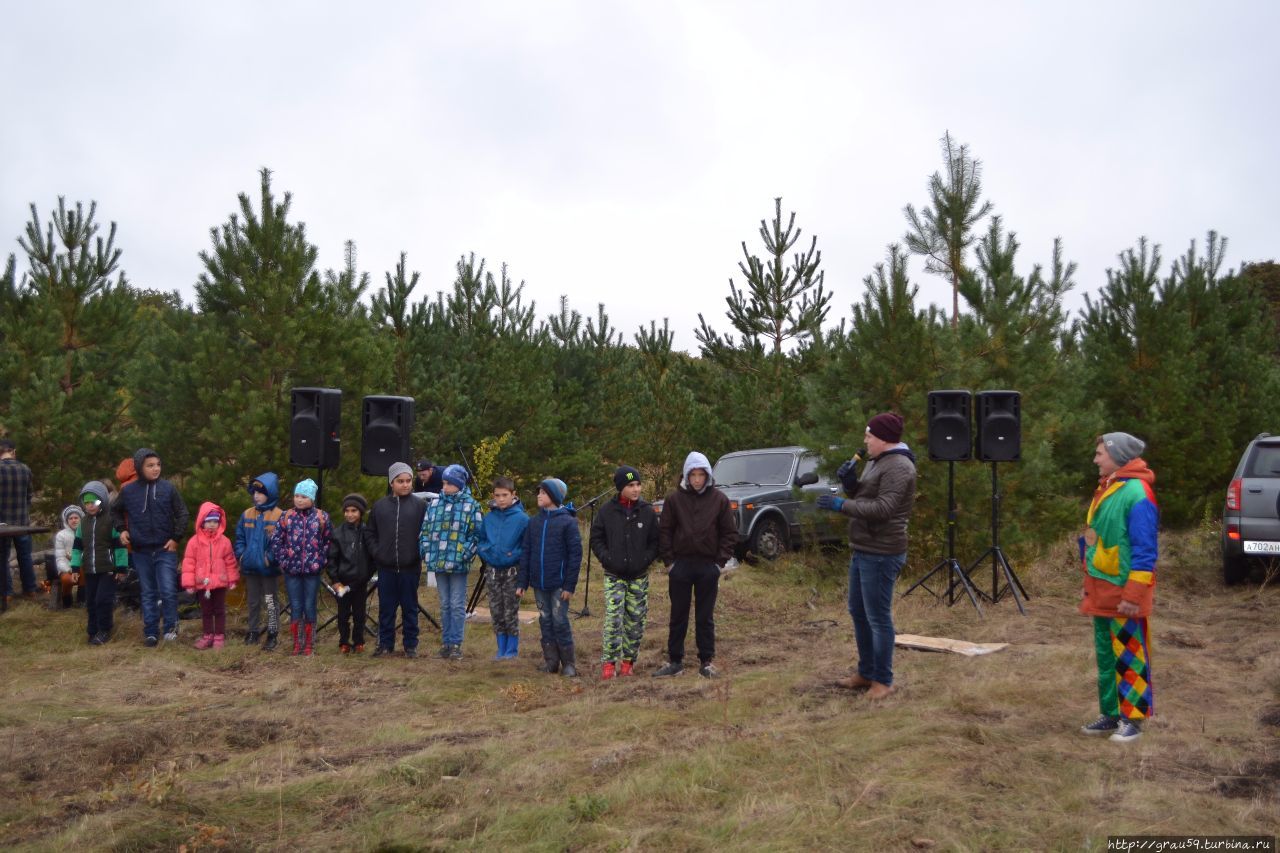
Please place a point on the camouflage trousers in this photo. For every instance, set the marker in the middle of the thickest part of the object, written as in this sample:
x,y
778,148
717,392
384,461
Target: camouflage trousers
x,y
503,604
626,609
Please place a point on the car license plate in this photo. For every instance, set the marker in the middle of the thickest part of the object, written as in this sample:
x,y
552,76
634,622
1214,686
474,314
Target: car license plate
x,y
1262,547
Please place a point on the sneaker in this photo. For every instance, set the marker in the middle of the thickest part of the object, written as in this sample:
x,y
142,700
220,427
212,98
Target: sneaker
x,y
411,653
95,639
708,670
443,654
626,670
607,671
151,642
1101,727
1126,731
344,648
675,667
382,650
170,636
251,638
455,652
104,637
358,648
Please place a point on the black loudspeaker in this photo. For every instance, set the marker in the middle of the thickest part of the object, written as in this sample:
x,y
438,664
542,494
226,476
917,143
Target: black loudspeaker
x,y
313,427
386,425
950,430
999,417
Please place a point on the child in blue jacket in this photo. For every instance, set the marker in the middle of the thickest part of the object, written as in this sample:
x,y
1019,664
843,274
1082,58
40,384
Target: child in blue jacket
x,y
501,544
258,568
549,565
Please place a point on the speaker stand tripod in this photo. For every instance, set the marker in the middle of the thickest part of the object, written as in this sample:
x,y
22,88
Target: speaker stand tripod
x,y
999,563
957,578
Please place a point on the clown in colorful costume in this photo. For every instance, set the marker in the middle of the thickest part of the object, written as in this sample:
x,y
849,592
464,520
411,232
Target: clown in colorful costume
x,y
1119,551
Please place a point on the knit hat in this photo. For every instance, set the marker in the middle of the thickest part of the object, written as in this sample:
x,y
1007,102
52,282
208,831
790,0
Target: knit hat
x,y
886,426
455,475
69,511
555,489
356,501
396,469
212,515
307,488
624,476
1122,447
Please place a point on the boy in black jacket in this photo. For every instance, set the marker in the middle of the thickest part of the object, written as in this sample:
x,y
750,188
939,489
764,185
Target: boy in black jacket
x,y
394,525
350,569
624,537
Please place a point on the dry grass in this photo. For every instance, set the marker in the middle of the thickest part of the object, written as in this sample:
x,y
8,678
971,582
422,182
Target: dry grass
x,y
126,748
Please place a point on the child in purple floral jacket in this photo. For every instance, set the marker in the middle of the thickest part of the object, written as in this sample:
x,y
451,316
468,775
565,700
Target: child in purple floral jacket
x,y
300,545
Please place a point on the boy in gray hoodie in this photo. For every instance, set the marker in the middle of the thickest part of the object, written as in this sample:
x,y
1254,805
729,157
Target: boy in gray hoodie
x,y
99,555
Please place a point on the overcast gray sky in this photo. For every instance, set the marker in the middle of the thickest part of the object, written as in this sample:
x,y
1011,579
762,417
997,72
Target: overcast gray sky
x,y
619,152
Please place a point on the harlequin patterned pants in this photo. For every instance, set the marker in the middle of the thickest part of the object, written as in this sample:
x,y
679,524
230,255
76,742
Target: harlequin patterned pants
x,y
626,609
1124,667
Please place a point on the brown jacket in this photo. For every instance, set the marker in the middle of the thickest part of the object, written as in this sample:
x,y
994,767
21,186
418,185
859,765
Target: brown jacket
x,y
882,503
697,526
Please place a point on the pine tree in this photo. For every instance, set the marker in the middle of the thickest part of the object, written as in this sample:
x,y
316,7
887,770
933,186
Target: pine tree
x,y
943,231
67,342
781,302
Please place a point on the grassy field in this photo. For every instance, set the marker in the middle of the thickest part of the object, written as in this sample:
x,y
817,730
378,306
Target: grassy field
x,y
124,748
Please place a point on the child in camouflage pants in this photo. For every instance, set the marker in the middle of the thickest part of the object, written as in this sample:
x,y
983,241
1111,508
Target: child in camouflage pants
x,y
624,537
501,542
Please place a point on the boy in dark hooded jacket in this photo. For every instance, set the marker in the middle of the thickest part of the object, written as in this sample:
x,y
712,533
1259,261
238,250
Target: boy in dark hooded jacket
x,y
350,568
549,564
258,569
152,517
696,537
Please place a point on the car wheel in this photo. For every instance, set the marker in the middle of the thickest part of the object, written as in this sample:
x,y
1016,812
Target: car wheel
x,y
768,539
1234,570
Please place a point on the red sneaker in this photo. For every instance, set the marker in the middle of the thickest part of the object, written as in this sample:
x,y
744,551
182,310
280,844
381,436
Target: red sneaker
x,y
626,668
344,648
359,648
606,672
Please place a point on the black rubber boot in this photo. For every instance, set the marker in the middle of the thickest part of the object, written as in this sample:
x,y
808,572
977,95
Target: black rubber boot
x,y
251,638
270,644
550,657
570,661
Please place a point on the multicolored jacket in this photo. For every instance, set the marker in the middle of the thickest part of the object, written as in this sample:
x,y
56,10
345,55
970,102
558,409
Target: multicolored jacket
x,y
209,562
300,542
450,532
97,549
502,535
1120,545
254,529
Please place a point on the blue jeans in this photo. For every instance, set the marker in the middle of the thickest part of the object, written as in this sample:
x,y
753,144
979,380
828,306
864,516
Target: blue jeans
x,y
22,545
397,590
453,605
553,617
302,591
157,576
871,580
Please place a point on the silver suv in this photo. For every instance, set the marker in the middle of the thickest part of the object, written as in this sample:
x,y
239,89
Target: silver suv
x,y
1251,516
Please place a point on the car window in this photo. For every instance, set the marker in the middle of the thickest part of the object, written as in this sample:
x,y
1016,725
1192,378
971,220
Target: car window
x,y
1265,461
765,469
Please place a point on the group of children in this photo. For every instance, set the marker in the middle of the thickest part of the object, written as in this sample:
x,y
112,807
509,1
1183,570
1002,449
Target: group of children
x,y
403,535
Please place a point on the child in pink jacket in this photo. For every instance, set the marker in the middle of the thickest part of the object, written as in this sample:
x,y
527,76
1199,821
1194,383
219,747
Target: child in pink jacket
x,y
209,570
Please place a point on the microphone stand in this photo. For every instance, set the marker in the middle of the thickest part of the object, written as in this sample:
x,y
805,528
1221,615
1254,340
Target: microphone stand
x,y
591,504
